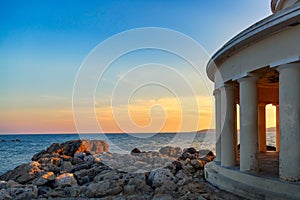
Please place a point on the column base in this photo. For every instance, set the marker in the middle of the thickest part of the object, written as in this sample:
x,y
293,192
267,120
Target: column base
x,y
249,185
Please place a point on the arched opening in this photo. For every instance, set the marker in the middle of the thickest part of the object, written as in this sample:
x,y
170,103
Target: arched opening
x,y
271,127
268,158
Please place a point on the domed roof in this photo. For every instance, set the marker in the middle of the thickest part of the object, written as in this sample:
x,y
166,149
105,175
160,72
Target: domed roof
x,y
277,5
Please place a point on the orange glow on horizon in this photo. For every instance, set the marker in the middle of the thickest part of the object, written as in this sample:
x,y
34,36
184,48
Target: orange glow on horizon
x,y
166,111
142,113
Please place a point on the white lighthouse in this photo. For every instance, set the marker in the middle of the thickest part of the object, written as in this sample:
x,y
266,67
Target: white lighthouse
x,y
259,66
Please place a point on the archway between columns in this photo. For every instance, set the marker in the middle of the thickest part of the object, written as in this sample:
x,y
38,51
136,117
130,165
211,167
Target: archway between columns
x,y
271,119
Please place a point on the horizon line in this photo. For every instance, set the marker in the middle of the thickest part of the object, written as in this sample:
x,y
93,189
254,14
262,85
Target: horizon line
x,y
63,133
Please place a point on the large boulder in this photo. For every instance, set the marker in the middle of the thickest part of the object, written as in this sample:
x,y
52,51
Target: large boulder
x,y
171,151
157,177
166,188
70,148
65,179
183,178
42,180
191,150
4,195
103,188
86,175
23,192
197,163
135,151
137,185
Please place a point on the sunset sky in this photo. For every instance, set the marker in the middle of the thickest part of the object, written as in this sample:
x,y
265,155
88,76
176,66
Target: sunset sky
x,y
44,43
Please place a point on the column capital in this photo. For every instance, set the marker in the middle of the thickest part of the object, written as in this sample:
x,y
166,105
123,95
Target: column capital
x,y
249,78
228,86
294,66
246,75
216,92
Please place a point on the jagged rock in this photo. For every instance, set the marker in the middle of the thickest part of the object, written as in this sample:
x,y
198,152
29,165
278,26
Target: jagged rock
x,y
129,189
4,195
56,192
183,178
76,161
51,167
81,166
23,192
205,159
107,175
155,153
138,181
70,171
49,176
40,181
176,165
191,150
42,190
23,173
87,175
206,155
139,164
73,191
103,188
185,155
159,176
136,197
70,148
197,164
188,168
80,155
12,183
190,196
192,187
210,153
56,161
166,188
44,160
171,151
89,159
198,176
65,179
3,184
162,197
66,166
135,151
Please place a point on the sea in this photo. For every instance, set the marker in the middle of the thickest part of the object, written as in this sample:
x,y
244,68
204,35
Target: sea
x,y
18,149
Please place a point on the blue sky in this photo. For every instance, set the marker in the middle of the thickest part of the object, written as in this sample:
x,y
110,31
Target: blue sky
x,y
43,43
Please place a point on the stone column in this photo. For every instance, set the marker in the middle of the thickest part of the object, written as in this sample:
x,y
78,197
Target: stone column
x,y
262,137
289,102
249,124
217,94
228,130
277,129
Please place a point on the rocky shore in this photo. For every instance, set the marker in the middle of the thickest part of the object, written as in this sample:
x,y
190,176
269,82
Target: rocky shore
x,y
85,169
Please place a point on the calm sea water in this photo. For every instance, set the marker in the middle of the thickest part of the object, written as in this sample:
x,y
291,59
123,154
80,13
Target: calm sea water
x,y
14,153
